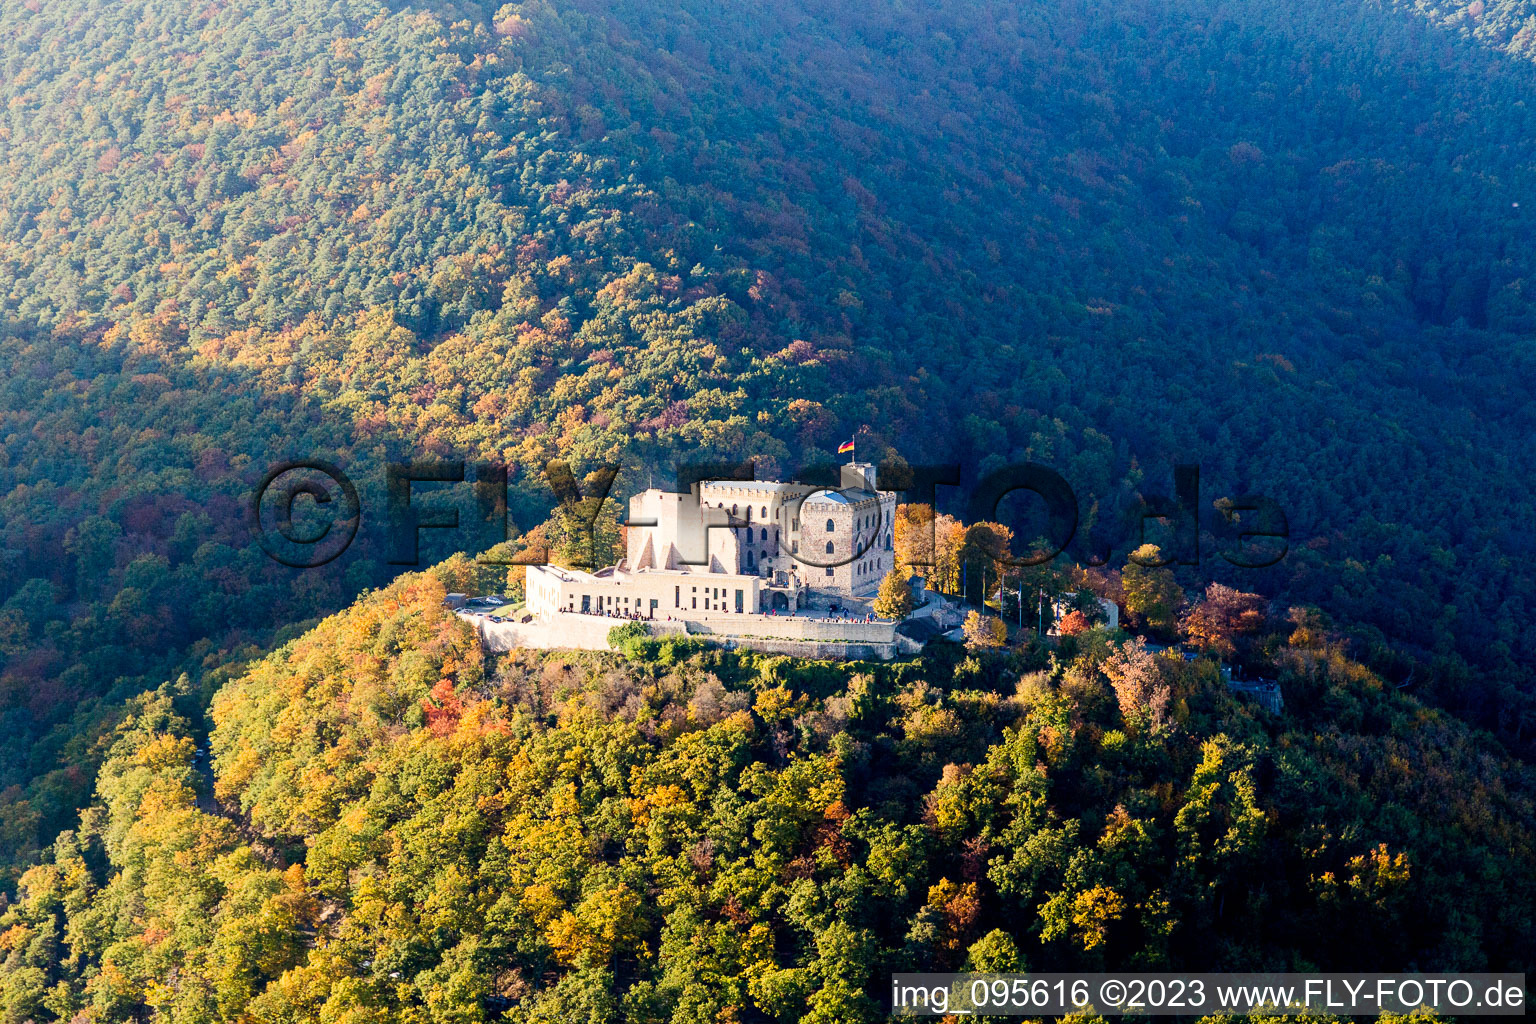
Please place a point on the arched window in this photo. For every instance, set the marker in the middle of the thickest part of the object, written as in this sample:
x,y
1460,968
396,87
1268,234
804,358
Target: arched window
x,y
765,513
749,559
829,547
765,533
830,526
733,510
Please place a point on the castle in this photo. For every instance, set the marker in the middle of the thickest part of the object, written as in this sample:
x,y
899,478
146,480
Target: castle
x,y
730,548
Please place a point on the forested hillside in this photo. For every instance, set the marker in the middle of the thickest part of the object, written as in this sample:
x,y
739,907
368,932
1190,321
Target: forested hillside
x,y
1508,25
1290,242
404,832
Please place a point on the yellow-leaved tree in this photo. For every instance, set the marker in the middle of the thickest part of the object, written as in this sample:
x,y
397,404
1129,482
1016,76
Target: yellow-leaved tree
x,y
894,599
985,630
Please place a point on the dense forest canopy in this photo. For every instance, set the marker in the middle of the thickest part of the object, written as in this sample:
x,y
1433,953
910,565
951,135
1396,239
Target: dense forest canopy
x,y
1290,242
407,831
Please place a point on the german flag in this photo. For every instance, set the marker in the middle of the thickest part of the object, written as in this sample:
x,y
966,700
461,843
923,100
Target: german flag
x,y
845,447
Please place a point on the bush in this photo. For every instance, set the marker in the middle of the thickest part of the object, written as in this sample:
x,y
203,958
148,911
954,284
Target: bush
x,y
633,640
672,650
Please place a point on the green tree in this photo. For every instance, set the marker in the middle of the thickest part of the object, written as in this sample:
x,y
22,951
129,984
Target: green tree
x,y
92,543
585,533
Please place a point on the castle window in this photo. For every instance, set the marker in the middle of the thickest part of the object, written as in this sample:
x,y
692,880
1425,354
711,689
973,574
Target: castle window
x,y
829,571
830,526
765,534
749,559
829,547
765,513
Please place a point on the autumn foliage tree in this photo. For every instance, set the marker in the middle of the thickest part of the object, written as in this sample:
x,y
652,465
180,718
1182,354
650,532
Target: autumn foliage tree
x,y
913,530
1223,618
985,631
948,544
443,708
894,599
1151,592
1144,696
1073,623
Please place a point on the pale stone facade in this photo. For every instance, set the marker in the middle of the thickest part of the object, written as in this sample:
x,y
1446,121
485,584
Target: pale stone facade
x,y
733,547
847,540
647,594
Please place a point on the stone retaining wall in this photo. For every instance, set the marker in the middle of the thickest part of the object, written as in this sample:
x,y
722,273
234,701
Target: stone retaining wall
x,y
801,637
813,649
579,632
793,627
